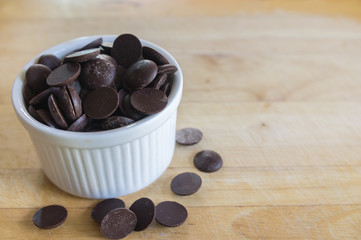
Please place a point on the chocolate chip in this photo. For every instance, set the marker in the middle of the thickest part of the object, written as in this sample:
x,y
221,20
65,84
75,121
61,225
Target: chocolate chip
x,y
101,103
75,100
148,100
144,209
66,104
97,73
56,113
140,74
28,93
93,44
32,111
186,183
79,124
83,56
118,223
155,56
207,161
43,96
170,214
50,216
36,77
188,136
158,81
50,61
129,111
167,69
116,122
63,75
104,207
164,88
46,117
127,49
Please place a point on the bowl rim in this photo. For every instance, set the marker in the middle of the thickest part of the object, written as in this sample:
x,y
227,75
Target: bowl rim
x,y
66,47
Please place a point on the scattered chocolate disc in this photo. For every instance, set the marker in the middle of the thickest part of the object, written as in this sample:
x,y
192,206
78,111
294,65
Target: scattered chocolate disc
x,y
144,209
170,214
149,100
50,61
116,122
97,73
63,75
155,56
50,216
207,161
118,223
104,207
83,56
167,69
188,136
101,103
127,49
36,77
140,74
186,183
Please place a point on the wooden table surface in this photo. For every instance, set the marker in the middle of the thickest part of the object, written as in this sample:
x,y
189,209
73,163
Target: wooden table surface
x,y
275,86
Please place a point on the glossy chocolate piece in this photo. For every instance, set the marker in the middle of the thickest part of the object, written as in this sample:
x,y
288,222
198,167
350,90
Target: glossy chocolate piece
x,y
144,209
104,207
50,61
79,124
36,77
101,103
50,216
186,183
167,69
140,74
56,113
127,49
83,56
155,56
64,75
208,161
148,101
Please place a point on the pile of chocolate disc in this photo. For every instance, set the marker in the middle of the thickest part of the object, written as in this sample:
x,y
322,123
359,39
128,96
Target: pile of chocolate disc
x,y
103,85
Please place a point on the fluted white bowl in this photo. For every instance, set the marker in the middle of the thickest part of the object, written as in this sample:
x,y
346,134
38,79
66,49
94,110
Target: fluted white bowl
x,y
108,163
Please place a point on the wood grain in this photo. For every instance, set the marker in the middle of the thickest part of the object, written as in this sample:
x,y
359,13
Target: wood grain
x,y
275,86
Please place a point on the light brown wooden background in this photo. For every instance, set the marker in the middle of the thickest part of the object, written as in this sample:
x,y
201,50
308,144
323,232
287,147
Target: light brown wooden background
x,y
274,85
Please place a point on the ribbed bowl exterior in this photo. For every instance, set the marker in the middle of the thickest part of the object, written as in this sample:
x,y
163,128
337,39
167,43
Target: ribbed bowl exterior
x,y
109,171
108,163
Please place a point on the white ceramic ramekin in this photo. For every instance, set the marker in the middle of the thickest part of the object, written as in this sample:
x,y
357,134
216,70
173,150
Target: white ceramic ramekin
x,y
109,163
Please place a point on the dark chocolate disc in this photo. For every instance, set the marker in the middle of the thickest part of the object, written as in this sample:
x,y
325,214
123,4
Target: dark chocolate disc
x,y
101,103
139,75
28,93
50,61
66,104
33,112
127,109
170,214
118,223
79,124
116,122
155,56
50,216
97,73
93,44
207,161
188,136
186,183
167,69
75,100
104,207
46,117
127,49
158,81
148,100
36,77
55,112
83,56
144,209
43,96
64,75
